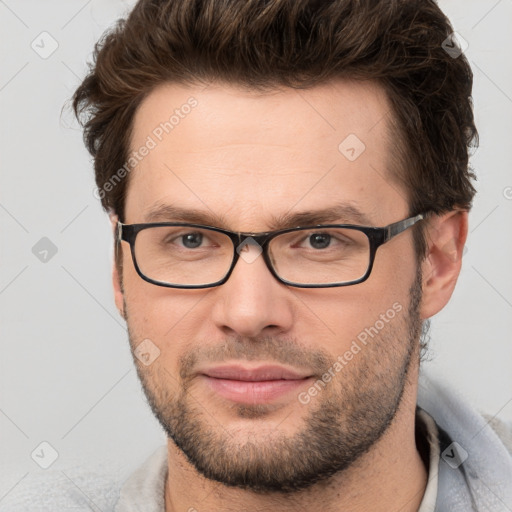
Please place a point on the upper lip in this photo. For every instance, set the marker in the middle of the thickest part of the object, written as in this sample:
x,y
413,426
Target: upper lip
x,y
259,373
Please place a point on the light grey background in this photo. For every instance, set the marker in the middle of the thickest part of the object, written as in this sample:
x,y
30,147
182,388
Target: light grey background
x,y
66,374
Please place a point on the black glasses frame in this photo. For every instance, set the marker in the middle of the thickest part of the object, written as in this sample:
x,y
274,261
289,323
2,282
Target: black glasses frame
x,y
376,235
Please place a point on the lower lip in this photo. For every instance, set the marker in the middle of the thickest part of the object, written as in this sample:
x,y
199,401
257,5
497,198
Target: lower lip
x,y
257,392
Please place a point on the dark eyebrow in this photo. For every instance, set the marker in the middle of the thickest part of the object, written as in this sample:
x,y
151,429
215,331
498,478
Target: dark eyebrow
x,y
345,213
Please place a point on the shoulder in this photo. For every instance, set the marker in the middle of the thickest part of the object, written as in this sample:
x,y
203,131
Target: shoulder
x,y
59,490
503,430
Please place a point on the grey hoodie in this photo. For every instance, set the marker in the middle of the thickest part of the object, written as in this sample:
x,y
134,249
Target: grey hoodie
x,y
475,467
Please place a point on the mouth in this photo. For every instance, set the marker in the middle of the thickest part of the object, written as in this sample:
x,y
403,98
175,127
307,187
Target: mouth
x,y
256,385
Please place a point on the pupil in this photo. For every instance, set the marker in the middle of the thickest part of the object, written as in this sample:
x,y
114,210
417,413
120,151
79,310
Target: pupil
x,y
192,240
320,241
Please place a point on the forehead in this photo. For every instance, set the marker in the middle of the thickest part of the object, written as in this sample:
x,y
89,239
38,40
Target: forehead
x,y
275,115
241,153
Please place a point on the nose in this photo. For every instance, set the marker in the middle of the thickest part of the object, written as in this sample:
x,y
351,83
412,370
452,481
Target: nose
x,y
252,302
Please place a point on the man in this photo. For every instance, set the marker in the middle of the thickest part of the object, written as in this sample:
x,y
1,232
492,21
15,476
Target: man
x,y
288,186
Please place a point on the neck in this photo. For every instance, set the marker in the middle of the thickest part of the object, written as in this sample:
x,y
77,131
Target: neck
x,y
390,476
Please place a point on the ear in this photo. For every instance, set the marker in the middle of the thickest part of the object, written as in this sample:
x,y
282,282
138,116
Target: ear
x,y
446,235
116,269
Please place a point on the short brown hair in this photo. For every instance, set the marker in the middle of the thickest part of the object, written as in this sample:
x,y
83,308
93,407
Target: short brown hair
x,y
264,44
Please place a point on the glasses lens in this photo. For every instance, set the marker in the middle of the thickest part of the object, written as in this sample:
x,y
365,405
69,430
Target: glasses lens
x,y
321,256
183,255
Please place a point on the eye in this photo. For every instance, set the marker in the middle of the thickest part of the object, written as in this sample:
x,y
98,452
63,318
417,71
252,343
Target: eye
x,y
191,240
320,240
179,239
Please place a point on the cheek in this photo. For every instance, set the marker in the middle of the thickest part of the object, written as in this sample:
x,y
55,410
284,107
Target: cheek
x,y
163,317
341,319
167,317
340,314
149,306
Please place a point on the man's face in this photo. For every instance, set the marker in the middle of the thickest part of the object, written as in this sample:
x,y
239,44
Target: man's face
x,y
249,158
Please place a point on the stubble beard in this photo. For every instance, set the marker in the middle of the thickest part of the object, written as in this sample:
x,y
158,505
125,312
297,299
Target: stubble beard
x,y
339,425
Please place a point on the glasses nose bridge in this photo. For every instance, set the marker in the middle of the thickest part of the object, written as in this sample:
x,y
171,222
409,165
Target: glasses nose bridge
x,y
262,239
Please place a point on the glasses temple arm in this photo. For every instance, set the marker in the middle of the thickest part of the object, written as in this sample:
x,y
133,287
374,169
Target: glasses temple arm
x,y
398,227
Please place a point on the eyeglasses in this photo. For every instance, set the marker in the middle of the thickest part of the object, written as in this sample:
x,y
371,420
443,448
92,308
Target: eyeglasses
x,y
182,255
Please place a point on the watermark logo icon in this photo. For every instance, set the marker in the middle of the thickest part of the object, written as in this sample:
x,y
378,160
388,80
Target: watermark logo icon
x,y
352,147
146,352
454,45
249,250
44,250
44,455
44,45
454,455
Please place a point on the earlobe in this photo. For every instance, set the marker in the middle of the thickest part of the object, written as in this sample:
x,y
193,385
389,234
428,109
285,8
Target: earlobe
x,y
118,289
446,235
117,283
